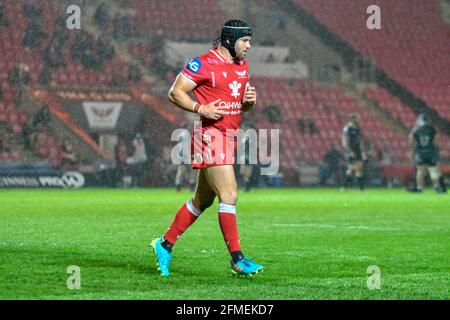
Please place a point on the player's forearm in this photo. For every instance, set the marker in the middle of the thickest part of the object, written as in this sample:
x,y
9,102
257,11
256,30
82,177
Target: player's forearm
x,y
181,99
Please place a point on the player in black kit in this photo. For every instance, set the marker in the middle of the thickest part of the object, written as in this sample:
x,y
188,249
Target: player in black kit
x,y
351,141
426,154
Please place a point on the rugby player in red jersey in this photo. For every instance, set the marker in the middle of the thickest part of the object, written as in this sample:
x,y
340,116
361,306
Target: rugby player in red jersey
x,y
219,80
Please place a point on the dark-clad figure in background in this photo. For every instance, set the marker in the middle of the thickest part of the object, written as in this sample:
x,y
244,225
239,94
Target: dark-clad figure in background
x,y
423,138
122,168
331,165
69,159
351,141
307,125
19,75
53,55
102,16
31,11
34,34
185,170
138,161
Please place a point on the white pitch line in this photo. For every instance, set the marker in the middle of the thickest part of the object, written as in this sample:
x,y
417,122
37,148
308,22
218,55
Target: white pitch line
x,y
373,228
357,227
305,225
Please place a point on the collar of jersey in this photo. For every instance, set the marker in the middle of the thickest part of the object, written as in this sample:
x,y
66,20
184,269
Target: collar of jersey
x,y
222,59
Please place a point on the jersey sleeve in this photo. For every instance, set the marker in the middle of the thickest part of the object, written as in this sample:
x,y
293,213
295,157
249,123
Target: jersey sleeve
x,y
195,71
412,134
345,130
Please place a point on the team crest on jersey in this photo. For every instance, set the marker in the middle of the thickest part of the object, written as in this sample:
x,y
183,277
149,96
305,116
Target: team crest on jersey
x,y
241,74
194,65
235,86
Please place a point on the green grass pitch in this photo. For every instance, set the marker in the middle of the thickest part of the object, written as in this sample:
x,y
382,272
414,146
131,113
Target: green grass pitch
x,y
314,243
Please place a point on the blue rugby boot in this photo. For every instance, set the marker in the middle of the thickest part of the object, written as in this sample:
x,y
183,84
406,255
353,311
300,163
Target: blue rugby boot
x,y
245,267
163,257
255,265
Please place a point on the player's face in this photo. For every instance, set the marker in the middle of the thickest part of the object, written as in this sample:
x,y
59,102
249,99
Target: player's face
x,y
354,119
243,45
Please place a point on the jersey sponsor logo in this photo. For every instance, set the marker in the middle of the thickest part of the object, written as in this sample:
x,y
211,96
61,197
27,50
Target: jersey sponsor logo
x,y
230,105
241,74
235,86
194,65
224,74
213,79
212,61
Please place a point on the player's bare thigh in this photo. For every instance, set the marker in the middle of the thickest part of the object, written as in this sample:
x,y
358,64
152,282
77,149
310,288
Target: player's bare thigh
x,y
204,194
422,170
223,181
357,166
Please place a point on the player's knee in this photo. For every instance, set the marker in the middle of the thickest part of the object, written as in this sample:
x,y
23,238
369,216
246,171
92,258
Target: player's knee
x,y
421,172
229,197
434,173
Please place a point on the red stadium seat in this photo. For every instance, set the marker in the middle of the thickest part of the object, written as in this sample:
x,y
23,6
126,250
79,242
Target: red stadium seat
x,y
416,60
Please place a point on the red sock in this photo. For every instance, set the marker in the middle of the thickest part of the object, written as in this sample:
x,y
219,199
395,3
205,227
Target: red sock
x,y
228,224
186,216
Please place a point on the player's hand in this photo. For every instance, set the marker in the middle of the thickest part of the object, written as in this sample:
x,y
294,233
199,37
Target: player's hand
x,y
249,96
212,110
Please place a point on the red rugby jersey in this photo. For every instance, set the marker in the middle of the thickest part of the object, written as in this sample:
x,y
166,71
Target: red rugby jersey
x,y
215,78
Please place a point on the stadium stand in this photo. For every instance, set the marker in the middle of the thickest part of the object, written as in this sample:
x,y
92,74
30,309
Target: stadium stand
x,y
23,64
392,105
418,59
54,59
328,107
191,17
75,69
268,61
